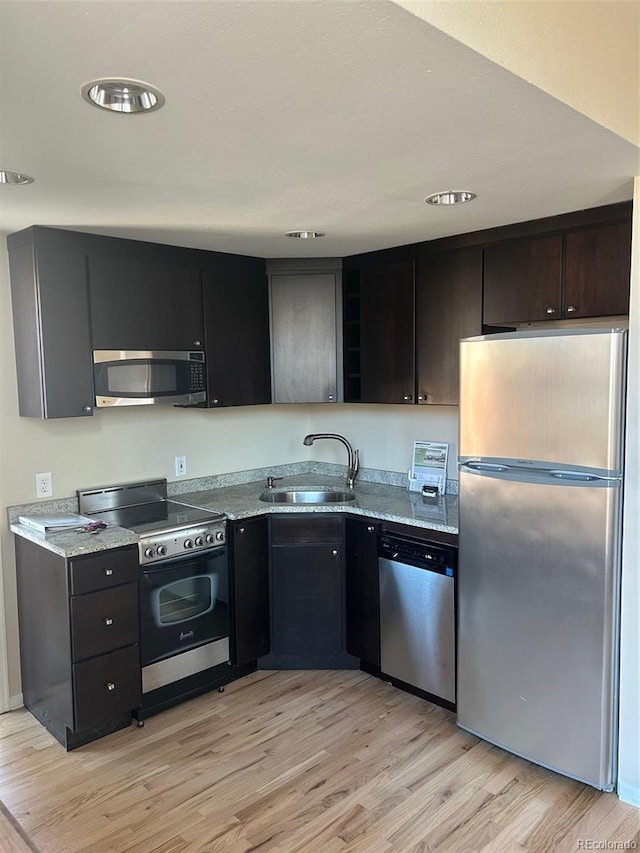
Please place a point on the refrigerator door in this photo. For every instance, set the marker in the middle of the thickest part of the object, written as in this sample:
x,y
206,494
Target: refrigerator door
x,y
545,398
537,626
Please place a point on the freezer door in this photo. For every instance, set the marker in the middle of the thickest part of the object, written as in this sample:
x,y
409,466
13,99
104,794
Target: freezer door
x,y
537,625
551,398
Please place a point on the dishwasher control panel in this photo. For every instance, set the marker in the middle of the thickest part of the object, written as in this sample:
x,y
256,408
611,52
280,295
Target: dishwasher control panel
x,y
429,555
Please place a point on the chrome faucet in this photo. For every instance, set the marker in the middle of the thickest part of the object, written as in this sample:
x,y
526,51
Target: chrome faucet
x,y
353,462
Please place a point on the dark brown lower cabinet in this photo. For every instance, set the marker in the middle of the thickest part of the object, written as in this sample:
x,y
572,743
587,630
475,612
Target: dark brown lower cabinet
x,y
362,589
79,640
250,590
307,594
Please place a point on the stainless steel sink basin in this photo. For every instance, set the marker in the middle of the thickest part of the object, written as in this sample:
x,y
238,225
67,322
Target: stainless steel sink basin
x,y
307,496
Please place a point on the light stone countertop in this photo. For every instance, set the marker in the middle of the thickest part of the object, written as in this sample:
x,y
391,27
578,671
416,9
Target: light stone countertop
x,y
373,500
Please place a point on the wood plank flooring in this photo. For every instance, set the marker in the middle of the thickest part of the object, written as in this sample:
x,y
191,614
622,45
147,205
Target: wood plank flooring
x,y
333,762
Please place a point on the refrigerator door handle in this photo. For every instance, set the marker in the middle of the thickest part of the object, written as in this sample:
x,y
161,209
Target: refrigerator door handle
x,y
575,475
485,466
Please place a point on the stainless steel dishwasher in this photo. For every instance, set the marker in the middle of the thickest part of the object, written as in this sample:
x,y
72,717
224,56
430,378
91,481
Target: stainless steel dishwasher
x,y
417,615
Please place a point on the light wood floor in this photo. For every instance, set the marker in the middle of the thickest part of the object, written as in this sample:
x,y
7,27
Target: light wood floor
x,y
333,762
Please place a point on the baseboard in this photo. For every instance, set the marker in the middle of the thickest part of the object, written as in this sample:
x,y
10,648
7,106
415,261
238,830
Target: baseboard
x,y
16,702
629,793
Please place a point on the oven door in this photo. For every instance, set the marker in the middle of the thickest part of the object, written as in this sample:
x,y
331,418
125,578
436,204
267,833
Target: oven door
x,y
184,603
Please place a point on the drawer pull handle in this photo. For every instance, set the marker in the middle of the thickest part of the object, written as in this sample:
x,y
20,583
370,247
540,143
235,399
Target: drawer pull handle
x,y
111,685
108,621
108,572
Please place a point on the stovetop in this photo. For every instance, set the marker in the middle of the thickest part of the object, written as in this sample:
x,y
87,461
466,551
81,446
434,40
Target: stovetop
x,y
166,529
158,515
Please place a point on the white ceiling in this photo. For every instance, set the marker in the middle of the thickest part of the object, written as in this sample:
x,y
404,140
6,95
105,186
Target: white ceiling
x,y
335,115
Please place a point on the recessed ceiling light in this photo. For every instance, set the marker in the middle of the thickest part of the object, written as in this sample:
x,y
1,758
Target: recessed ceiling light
x,y
450,197
7,176
122,96
304,235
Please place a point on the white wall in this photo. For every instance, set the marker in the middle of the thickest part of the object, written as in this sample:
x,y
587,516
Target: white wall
x,y
629,754
564,48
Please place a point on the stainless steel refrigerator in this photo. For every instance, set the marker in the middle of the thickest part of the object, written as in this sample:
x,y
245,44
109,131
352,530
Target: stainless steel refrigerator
x,y
541,460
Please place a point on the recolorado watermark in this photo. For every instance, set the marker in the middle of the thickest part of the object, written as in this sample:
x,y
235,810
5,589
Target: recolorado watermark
x,y
590,844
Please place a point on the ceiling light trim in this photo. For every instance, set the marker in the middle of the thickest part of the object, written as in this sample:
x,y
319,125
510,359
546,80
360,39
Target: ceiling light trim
x,y
10,176
449,197
305,235
122,95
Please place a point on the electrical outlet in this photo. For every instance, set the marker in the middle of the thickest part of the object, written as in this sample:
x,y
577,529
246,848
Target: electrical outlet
x,y
181,466
44,485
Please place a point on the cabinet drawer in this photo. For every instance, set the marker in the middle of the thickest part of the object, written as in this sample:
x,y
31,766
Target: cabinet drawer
x,y
306,529
99,571
106,687
104,620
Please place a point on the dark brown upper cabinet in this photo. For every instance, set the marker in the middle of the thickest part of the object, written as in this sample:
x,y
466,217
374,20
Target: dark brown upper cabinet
x,y
598,271
523,281
236,314
145,298
50,295
448,308
581,270
386,295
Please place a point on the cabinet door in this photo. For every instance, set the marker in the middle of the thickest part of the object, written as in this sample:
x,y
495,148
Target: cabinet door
x,y
522,281
386,333
362,589
448,307
598,271
236,312
250,585
142,304
304,350
51,324
306,601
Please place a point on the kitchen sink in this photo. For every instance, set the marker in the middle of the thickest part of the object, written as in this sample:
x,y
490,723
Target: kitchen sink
x,y
307,496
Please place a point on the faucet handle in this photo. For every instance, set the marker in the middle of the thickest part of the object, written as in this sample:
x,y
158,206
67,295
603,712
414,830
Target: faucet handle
x,y
271,481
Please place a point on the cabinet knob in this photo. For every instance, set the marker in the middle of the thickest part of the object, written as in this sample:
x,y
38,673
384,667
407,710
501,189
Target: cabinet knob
x,y
422,398
241,530
571,309
108,572
110,685
330,397
215,401
371,528
196,343
87,410
334,552
550,310
408,397
108,621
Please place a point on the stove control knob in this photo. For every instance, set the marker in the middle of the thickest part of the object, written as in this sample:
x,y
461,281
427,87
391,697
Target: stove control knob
x,y
161,550
188,543
199,541
149,552
220,536
210,538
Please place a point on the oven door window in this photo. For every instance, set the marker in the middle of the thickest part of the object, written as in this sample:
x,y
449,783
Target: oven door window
x,y
184,599
183,604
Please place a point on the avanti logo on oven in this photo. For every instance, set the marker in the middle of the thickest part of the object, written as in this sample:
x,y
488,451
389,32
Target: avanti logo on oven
x,y
185,635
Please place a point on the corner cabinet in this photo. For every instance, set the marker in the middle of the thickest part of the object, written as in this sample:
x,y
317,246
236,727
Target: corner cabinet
x,y
306,330
50,296
79,640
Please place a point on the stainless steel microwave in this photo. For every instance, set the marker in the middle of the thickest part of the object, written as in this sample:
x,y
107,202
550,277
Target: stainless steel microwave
x,y
143,377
